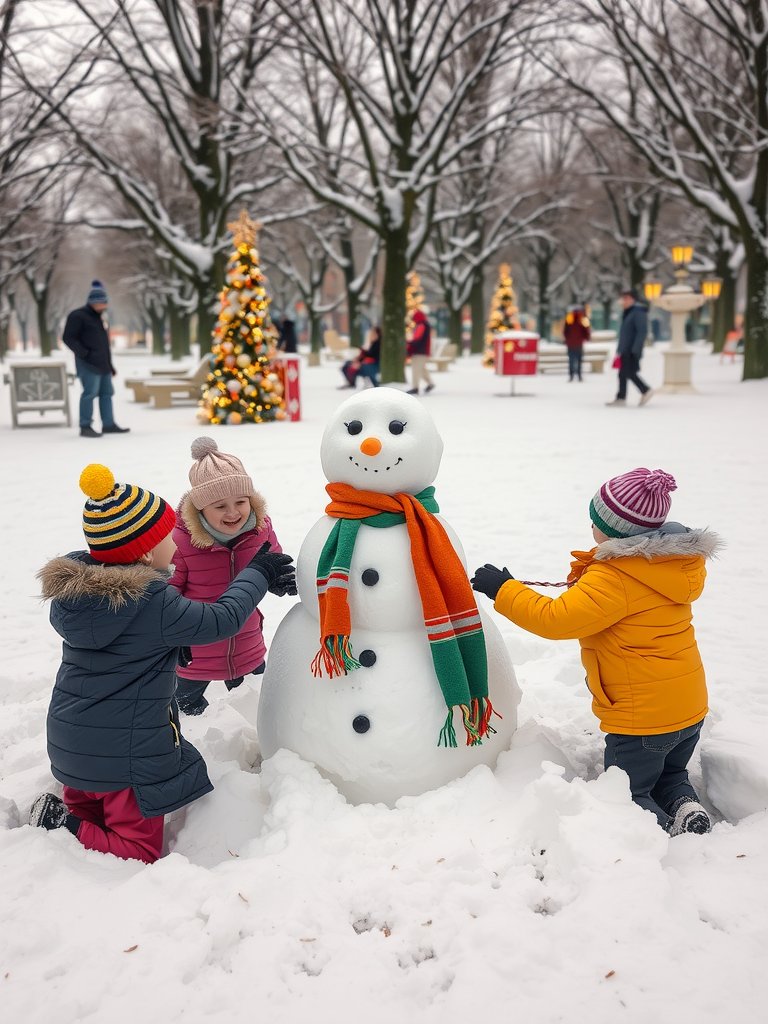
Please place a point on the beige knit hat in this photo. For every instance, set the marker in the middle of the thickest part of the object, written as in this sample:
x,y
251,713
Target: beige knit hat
x,y
215,475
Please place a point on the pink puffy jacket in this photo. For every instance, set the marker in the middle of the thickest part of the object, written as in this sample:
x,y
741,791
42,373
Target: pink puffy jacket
x,y
203,569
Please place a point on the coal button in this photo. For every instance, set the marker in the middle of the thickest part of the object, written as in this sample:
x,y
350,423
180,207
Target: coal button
x,y
367,658
361,723
370,577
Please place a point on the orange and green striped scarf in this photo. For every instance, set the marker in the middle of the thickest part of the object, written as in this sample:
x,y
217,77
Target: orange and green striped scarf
x,y
451,618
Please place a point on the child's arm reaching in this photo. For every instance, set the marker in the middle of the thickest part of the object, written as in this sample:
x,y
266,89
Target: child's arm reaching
x,y
193,622
590,606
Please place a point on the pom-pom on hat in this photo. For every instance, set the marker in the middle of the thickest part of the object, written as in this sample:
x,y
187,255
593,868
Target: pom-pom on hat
x,y
98,293
121,522
216,475
633,503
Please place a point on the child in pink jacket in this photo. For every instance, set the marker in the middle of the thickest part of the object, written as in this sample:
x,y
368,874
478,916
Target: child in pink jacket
x,y
221,524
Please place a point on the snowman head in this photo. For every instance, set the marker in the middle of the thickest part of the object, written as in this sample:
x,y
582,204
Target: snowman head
x,y
382,440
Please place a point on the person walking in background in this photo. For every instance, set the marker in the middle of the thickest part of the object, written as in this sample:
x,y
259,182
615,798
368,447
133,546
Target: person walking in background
x,y
634,327
86,334
366,363
576,331
418,348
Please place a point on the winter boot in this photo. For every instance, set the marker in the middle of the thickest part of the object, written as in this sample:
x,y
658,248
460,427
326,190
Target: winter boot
x,y
646,396
618,401
689,816
50,812
89,432
191,707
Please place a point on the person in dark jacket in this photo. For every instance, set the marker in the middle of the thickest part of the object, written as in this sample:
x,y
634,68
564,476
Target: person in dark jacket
x,y
632,334
288,342
366,363
114,737
418,347
86,334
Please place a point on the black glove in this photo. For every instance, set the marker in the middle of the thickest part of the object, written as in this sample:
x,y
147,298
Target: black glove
x,y
278,570
489,580
185,656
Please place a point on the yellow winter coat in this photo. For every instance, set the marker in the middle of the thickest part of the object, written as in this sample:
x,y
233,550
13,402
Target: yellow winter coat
x,y
629,606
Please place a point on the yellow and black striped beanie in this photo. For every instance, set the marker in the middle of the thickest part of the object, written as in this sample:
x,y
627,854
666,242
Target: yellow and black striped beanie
x,y
121,522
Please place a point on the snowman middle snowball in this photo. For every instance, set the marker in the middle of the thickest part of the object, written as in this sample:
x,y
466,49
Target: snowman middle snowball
x,y
374,731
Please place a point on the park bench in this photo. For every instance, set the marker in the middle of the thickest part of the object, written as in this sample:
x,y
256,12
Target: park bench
x,y
160,387
335,346
559,361
444,357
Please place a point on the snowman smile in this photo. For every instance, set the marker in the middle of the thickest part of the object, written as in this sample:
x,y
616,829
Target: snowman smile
x,y
367,469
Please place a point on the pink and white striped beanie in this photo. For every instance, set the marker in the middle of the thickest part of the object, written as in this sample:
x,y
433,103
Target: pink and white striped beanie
x,y
632,503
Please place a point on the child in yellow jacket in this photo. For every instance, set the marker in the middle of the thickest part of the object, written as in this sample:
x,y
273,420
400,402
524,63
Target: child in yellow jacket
x,y
628,604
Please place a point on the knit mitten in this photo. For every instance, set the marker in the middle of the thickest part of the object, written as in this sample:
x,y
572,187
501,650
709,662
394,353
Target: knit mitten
x,y
49,812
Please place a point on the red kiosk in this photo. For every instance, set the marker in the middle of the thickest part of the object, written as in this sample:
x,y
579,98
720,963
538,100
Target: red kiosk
x,y
287,367
516,354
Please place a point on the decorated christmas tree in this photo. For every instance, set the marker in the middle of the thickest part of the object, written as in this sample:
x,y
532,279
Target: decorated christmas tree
x,y
243,385
414,299
503,313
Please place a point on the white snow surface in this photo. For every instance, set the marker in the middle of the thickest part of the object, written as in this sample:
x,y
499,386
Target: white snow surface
x,y
536,892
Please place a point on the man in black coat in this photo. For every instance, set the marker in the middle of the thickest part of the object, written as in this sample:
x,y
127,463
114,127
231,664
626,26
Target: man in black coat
x,y
86,334
632,334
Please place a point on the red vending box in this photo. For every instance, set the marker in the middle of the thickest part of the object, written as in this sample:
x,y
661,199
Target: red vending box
x,y
516,353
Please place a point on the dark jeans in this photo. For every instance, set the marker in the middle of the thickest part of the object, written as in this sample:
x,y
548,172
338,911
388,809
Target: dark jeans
x,y
371,371
574,362
656,766
190,693
95,385
630,370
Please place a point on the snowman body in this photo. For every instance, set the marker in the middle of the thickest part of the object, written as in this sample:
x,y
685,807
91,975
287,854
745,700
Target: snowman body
x,y
374,732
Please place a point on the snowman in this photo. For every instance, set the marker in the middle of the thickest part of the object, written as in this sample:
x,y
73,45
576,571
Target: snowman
x,y
385,674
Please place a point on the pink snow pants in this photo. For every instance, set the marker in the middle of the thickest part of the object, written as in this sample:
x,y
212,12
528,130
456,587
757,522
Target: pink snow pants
x,y
112,823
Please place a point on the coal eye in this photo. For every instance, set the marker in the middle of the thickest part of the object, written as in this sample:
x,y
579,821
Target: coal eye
x,y
396,427
354,426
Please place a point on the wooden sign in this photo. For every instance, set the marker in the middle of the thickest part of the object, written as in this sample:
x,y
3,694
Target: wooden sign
x,y
39,387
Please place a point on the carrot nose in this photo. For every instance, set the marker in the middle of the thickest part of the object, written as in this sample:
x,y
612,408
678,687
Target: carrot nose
x,y
371,446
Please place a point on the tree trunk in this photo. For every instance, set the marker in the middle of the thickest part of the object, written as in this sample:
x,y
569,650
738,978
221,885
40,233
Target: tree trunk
x,y
454,327
179,330
607,310
755,315
479,315
43,330
353,296
393,315
315,333
542,318
724,310
157,322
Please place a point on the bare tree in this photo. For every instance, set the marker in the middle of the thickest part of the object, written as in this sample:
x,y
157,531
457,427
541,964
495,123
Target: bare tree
x,y
387,60
708,140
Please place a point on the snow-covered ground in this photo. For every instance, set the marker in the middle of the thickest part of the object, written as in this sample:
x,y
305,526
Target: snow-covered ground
x,y
534,893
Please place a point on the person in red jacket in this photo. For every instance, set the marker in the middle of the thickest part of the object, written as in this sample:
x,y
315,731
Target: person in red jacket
x,y
576,331
221,524
419,348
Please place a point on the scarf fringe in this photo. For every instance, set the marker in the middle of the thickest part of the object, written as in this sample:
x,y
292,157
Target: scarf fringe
x,y
477,723
335,656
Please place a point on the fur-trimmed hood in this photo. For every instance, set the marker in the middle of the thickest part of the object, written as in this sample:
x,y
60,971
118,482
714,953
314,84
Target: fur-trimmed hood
x,y
188,519
672,540
669,560
93,602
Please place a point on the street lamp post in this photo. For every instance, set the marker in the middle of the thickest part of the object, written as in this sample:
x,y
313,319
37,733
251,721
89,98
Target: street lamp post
x,y
679,300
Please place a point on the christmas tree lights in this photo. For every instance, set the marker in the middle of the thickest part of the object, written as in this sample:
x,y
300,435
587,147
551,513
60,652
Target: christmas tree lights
x,y
242,386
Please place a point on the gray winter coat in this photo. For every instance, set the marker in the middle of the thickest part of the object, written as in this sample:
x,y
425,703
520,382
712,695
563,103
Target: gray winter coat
x,y
113,721
633,330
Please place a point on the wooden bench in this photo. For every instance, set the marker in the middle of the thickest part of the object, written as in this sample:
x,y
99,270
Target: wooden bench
x,y
559,361
161,390
334,346
447,355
